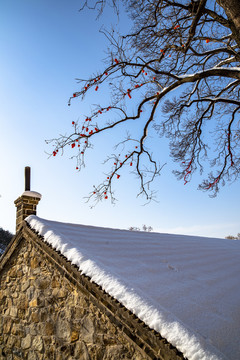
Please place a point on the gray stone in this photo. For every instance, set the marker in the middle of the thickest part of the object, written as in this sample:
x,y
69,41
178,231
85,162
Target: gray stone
x,y
25,285
26,342
63,329
37,343
13,311
32,356
87,330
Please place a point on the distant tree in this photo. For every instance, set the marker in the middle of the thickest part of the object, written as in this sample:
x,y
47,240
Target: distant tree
x,y
233,237
177,72
144,228
5,238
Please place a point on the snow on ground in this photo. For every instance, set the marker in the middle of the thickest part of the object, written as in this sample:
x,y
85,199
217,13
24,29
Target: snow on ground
x,y
185,287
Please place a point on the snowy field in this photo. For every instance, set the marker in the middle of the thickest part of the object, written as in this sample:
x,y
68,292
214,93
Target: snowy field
x,y
185,287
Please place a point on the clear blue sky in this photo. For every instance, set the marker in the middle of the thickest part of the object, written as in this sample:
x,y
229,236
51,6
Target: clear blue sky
x,y
44,46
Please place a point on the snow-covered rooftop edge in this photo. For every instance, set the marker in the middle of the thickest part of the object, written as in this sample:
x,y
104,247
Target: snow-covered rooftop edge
x,y
79,244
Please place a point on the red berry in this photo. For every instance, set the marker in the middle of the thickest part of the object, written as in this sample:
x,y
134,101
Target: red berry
x,y
145,73
154,78
96,129
106,197
106,73
116,61
130,163
105,193
136,147
94,192
118,176
126,156
207,41
73,145
76,168
96,88
108,178
73,122
129,96
74,95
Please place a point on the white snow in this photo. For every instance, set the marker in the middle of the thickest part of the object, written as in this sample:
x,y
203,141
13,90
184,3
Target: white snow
x,y
185,287
32,194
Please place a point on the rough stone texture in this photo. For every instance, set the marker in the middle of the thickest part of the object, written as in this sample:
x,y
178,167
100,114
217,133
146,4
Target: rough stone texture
x,y
44,316
26,205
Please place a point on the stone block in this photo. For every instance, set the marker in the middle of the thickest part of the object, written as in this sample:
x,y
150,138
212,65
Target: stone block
x,y
7,326
35,317
49,329
34,263
26,342
13,311
37,343
74,336
25,285
34,302
63,330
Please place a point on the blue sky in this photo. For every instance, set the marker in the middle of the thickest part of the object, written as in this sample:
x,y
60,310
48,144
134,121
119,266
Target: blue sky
x,y
44,46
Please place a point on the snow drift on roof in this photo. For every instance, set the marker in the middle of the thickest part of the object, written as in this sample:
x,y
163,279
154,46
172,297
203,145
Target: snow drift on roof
x,y
185,287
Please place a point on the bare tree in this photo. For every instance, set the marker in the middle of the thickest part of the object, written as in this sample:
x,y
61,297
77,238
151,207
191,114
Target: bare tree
x,y
230,237
179,67
144,228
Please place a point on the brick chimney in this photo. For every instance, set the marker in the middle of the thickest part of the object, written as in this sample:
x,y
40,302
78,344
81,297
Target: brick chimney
x,y
26,203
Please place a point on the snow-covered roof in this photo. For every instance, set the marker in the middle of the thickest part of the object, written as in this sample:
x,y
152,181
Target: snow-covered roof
x,y
185,287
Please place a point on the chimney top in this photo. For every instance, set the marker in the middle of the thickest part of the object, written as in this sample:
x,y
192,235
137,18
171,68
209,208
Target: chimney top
x,y
27,203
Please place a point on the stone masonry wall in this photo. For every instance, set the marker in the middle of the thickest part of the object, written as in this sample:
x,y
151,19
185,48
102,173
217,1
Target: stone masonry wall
x,y
44,316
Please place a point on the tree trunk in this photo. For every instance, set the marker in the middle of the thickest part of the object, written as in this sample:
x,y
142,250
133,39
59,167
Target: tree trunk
x,y
232,10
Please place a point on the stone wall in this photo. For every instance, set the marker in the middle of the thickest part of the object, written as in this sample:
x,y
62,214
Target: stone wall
x,y
45,316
